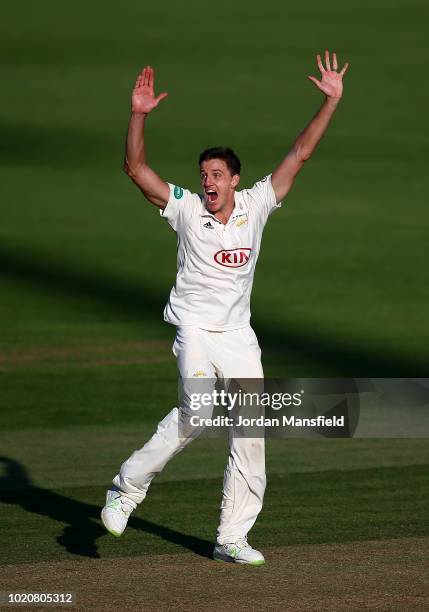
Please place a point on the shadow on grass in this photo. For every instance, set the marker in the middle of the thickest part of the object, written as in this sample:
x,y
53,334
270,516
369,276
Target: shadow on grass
x,y
325,354
83,527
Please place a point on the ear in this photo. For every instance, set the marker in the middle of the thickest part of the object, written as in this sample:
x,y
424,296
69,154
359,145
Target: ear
x,y
235,180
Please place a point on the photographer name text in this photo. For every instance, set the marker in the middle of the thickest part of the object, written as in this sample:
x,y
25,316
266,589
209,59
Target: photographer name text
x,y
285,421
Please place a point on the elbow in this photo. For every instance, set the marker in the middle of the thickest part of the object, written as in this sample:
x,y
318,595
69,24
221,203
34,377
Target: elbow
x,y
132,173
127,168
302,154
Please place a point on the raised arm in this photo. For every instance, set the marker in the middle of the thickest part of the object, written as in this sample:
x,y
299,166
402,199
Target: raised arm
x,y
143,101
331,85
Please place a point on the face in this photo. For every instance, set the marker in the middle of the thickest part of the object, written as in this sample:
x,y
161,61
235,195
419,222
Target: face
x,y
218,184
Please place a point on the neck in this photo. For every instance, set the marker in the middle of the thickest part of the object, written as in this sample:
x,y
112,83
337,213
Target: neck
x,y
224,214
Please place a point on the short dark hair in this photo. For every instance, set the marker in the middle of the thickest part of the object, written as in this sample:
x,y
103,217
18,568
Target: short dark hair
x,y
227,155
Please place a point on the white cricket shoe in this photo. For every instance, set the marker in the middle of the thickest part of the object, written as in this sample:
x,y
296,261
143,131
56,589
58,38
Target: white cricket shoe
x,y
238,552
116,512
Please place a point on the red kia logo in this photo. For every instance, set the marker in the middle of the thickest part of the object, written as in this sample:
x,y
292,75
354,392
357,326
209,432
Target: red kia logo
x,y
232,258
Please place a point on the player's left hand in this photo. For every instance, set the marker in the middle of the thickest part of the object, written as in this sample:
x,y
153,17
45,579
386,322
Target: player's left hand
x,y
332,81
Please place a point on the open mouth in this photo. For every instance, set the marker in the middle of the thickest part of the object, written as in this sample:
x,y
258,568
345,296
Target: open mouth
x,y
211,196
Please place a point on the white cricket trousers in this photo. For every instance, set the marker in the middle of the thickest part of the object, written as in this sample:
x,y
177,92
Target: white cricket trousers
x,y
207,354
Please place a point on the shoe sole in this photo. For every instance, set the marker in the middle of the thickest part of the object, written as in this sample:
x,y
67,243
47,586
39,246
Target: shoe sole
x,y
226,559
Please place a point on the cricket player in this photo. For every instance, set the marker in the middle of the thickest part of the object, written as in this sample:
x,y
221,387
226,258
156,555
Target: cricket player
x,y
219,235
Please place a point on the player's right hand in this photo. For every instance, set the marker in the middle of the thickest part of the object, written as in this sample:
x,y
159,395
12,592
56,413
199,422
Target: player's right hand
x,y
143,99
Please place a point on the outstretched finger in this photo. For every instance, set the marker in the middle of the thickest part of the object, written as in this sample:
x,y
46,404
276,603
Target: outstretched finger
x,y
145,79
315,81
335,63
319,63
161,97
150,83
140,78
327,61
344,68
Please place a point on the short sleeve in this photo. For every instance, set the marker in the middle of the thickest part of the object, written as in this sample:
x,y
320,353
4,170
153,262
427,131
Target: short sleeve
x,y
179,207
262,197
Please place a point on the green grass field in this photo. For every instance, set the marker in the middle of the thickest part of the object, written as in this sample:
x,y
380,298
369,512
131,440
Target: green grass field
x,y
341,287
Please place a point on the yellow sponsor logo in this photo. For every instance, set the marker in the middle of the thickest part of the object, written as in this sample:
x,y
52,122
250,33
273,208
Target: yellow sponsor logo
x,y
199,373
241,221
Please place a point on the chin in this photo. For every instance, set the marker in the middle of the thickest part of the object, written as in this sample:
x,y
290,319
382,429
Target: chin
x,y
213,207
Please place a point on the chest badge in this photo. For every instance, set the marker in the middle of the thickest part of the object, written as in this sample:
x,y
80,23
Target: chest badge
x,y
241,221
233,258
208,225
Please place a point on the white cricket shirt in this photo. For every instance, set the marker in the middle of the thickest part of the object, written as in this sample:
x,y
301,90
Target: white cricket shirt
x,y
216,262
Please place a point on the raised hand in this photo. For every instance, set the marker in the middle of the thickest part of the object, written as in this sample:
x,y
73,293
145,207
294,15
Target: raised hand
x,y
332,81
143,99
